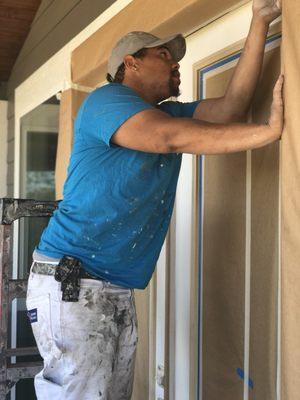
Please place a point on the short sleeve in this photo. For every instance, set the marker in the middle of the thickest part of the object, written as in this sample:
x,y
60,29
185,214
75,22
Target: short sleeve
x,y
179,109
107,108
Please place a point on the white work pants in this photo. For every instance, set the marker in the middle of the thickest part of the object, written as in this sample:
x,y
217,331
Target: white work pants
x,y
89,346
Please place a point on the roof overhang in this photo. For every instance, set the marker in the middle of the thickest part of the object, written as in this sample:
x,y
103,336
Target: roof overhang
x,y
15,21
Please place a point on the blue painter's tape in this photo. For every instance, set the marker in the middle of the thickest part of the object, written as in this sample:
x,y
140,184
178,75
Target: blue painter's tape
x,y
241,374
32,315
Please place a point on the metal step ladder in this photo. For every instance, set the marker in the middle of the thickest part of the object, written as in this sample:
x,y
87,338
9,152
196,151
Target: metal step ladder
x,y
11,210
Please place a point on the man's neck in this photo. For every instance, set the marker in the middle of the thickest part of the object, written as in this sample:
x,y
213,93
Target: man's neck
x,y
143,92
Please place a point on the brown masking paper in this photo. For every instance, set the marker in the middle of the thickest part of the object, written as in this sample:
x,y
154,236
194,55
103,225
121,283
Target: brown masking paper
x,y
69,104
224,222
290,209
224,239
264,244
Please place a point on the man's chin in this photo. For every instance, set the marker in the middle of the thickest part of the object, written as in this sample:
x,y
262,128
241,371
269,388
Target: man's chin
x,y
174,88
174,91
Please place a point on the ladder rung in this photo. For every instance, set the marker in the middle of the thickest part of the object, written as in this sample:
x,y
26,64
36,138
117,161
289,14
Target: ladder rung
x,y
12,209
21,351
17,288
23,370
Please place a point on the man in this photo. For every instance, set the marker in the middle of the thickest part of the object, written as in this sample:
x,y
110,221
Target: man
x,y
117,205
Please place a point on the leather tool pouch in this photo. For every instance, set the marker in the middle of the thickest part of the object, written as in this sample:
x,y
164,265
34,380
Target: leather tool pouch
x,y
68,273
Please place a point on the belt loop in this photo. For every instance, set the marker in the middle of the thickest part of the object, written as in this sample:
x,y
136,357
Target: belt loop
x,y
32,264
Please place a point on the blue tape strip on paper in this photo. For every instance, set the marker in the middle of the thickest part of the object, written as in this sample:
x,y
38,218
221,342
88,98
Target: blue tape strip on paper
x,y
241,374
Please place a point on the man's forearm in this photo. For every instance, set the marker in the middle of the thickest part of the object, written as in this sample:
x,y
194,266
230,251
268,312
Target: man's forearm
x,y
241,89
198,137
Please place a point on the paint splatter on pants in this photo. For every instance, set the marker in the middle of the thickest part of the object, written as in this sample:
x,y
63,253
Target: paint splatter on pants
x,y
89,346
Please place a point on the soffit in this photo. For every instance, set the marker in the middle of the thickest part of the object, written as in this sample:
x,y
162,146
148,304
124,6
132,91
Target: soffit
x,y
16,17
89,60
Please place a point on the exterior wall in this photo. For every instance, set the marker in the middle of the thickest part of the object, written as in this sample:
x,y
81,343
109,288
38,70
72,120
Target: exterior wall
x,y
3,147
10,147
56,24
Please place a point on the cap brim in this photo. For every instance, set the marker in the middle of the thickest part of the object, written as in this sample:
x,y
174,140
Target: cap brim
x,y
176,44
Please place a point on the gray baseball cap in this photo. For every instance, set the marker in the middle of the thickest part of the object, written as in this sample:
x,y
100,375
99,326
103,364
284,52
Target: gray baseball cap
x,y
135,41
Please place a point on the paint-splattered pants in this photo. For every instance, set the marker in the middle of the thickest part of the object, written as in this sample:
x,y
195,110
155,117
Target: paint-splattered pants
x,y
89,346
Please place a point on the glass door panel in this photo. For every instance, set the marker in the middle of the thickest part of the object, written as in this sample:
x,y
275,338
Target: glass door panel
x,y
39,133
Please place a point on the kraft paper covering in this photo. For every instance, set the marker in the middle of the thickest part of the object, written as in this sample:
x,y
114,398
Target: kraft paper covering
x,y
224,241
264,244
141,376
290,210
70,102
165,18
223,267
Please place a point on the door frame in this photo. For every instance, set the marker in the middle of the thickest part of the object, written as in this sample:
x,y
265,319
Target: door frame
x,y
230,54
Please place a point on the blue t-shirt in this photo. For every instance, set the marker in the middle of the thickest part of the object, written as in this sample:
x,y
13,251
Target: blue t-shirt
x,y
117,202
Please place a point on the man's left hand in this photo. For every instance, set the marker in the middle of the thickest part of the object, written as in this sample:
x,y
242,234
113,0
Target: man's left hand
x,y
268,10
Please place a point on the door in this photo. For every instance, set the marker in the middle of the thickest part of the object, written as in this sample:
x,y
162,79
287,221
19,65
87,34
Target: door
x,y
39,131
238,259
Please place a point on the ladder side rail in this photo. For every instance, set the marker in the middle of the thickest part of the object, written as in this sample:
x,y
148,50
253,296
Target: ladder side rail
x,y
10,210
5,263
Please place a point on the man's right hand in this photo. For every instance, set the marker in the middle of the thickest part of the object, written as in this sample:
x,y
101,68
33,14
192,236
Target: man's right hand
x,y
277,109
268,10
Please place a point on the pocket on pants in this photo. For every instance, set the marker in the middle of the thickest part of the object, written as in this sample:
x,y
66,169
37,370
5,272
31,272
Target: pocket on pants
x,y
44,316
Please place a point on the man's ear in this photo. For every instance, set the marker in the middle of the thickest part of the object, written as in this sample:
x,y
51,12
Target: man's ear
x,y
130,63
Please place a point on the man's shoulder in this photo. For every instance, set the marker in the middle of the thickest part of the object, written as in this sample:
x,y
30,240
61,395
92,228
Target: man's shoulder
x,y
110,93
110,89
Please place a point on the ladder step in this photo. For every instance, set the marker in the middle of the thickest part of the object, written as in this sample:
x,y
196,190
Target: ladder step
x,y
17,288
23,370
21,351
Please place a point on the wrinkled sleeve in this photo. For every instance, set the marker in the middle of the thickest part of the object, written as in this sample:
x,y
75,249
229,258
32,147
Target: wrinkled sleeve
x,y
107,109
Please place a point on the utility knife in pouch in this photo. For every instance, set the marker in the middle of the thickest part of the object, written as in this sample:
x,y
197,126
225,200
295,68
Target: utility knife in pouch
x,y
68,273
